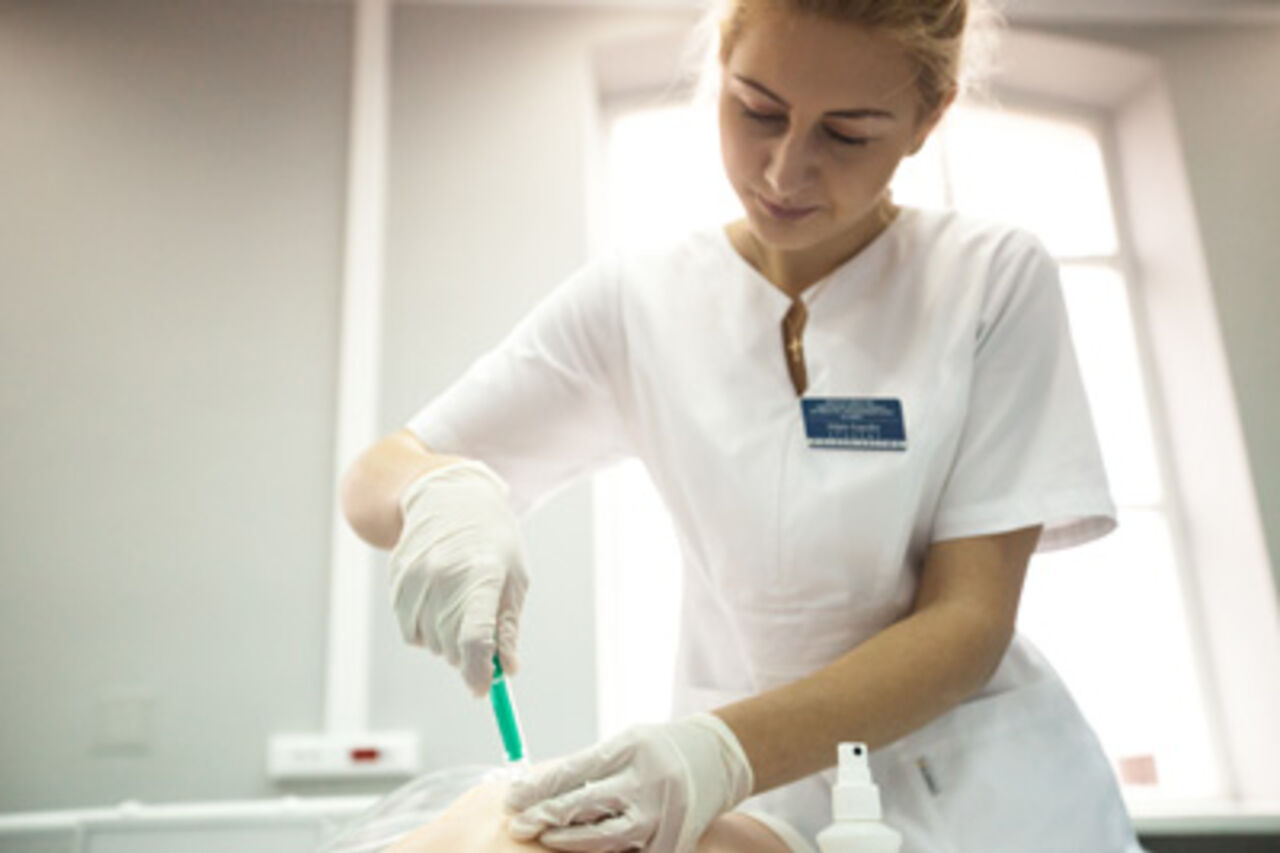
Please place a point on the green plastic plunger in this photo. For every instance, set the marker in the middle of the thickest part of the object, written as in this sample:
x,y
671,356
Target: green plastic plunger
x,y
505,711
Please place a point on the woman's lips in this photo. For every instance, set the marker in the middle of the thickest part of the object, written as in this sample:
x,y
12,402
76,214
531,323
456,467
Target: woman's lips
x,y
783,212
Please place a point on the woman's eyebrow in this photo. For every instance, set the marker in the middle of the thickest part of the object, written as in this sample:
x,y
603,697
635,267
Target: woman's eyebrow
x,y
860,112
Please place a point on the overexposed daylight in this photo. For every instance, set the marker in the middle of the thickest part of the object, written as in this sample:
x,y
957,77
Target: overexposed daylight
x,y
437,425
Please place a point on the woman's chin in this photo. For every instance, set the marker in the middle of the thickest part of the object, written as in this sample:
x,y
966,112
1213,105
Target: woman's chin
x,y
783,236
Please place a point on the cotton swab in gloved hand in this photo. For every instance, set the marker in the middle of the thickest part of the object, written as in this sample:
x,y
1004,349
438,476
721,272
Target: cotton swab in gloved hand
x,y
504,710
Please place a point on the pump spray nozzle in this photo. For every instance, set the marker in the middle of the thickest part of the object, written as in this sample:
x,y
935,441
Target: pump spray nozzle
x,y
855,802
855,796
854,769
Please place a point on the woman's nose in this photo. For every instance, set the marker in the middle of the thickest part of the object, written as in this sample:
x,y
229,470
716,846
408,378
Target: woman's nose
x,y
790,166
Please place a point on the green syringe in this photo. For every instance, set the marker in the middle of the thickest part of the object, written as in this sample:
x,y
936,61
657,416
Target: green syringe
x,y
505,711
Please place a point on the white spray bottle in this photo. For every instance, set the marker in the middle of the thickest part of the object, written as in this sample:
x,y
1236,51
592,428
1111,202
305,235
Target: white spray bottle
x,y
855,805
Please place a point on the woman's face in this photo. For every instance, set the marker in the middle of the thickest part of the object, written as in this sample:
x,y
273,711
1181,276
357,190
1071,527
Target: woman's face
x,y
814,118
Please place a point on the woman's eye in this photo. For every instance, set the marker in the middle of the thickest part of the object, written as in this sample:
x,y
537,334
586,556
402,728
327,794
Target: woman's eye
x,y
774,119
847,140
762,117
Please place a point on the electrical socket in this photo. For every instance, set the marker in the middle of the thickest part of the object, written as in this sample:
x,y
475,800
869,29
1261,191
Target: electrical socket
x,y
124,721
343,756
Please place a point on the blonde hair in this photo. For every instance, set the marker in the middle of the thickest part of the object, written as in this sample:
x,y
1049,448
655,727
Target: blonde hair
x,y
951,41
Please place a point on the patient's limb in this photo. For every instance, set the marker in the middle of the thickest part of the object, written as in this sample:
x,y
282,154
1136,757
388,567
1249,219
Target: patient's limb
x,y
737,833
476,823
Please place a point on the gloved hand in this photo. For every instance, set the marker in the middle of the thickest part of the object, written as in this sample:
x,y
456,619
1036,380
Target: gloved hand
x,y
457,574
650,788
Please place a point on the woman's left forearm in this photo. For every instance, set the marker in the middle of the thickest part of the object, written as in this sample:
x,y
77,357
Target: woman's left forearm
x,y
902,677
890,685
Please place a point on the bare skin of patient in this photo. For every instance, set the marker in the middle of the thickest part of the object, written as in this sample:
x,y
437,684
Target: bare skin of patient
x,y
477,823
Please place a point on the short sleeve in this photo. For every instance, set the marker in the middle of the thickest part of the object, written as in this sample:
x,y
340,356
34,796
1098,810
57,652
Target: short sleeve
x,y
1028,453
541,407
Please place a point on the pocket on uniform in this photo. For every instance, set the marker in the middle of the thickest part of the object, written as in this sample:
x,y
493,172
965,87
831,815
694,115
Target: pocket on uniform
x,y
1019,772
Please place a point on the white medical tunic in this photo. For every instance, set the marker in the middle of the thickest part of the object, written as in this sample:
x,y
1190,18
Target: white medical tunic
x,y
793,555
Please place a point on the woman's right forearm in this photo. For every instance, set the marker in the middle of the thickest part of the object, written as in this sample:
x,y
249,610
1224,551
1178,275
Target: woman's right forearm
x,y
371,486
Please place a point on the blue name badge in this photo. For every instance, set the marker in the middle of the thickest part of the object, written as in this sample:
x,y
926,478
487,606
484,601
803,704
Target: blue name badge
x,y
853,423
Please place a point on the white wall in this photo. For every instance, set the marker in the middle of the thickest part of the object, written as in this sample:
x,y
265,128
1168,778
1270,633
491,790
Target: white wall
x,y
170,216
170,261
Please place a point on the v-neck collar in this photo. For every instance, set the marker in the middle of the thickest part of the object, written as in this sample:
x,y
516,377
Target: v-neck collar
x,y
859,269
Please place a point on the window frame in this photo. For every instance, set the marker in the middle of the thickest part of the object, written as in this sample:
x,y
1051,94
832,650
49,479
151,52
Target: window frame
x,y
1172,505
1172,303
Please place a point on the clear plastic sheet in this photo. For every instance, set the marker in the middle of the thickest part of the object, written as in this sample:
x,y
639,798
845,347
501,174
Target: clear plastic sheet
x,y
406,808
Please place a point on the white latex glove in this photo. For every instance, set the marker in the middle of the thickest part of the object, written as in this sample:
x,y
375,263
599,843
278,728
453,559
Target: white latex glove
x,y
650,788
457,575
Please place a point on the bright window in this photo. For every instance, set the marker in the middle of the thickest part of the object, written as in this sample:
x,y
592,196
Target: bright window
x,y
1113,615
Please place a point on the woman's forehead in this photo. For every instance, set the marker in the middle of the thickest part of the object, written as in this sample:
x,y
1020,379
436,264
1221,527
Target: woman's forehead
x,y
814,62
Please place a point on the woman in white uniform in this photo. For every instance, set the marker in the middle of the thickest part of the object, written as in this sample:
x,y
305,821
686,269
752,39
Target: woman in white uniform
x,y
863,420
